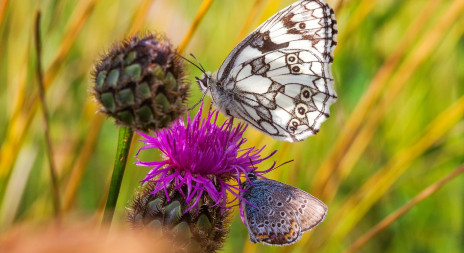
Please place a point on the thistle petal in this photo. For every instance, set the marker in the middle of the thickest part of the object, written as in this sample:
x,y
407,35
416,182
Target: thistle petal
x,y
201,159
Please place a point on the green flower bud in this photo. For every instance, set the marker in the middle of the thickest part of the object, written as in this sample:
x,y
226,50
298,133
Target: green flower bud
x,y
140,83
202,230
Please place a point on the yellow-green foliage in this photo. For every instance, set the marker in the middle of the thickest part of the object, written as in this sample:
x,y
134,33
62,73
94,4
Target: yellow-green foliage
x,y
396,128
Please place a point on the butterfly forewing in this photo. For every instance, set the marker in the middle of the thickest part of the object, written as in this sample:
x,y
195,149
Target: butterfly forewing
x,y
302,25
278,213
278,78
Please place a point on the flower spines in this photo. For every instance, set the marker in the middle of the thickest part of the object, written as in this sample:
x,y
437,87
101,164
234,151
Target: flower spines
x,y
205,158
140,83
198,230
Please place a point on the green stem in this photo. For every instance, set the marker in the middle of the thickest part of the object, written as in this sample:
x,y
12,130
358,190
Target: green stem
x,y
46,117
124,141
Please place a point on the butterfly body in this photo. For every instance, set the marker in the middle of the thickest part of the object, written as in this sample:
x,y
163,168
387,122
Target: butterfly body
x,y
278,78
277,213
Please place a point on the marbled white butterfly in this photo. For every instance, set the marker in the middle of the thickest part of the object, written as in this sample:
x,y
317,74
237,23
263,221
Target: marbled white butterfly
x,y
278,78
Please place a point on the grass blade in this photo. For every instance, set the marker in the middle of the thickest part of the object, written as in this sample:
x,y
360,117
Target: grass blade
x,y
398,81
3,6
352,125
24,113
196,21
403,210
46,117
356,206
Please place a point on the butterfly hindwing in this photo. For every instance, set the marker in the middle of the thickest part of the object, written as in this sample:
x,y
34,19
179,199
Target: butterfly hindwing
x,y
290,99
310,210
268,220
277,213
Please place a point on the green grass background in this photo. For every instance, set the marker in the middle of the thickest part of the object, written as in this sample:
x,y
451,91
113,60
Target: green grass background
x,y
426,81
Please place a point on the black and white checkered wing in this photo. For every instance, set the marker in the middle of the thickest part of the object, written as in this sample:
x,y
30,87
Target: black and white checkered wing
x,y
278,78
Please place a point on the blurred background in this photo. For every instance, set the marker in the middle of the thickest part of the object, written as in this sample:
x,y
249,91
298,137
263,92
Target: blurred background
x,y
386,162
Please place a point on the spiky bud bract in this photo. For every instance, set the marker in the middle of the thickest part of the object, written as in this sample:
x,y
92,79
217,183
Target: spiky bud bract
x,y
140,82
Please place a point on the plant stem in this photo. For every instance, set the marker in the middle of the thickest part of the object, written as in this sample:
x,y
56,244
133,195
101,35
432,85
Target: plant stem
x,y
124,141
46,117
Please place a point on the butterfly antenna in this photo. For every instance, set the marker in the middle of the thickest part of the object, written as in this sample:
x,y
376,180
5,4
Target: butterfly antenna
x,y
202,69
273,168
193,56
189,61
251,175
282,164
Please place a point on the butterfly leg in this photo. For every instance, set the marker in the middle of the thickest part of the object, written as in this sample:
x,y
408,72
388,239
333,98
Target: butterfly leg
x,y
229,130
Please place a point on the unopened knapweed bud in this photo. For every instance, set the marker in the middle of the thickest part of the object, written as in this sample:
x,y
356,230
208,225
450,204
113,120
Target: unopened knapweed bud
x,y
140,83
197,230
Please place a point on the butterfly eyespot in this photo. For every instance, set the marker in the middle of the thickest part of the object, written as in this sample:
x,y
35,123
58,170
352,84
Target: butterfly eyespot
x,y
266,222
303,206
282,221
302,25
305,94
273,225
279,225
296,69
263,207
294,123
300,110
269,198
282,214
291,58
279,204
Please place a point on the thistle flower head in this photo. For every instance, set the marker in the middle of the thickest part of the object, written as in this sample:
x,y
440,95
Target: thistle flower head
x,y
140,82
201,159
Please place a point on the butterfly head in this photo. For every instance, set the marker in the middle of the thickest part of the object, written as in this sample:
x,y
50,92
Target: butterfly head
x,y
204,81
252,176
248,183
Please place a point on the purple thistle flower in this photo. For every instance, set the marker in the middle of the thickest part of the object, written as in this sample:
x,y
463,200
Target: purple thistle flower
x,y
201,158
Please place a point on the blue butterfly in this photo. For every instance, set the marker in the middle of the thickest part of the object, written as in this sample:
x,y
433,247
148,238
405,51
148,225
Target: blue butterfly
x,y
277,213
